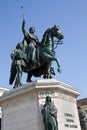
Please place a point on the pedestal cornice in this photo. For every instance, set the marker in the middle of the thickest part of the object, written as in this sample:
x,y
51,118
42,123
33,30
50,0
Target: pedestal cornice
x,y
41,85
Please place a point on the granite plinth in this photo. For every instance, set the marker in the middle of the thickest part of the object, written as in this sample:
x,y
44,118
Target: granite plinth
x,y
21,107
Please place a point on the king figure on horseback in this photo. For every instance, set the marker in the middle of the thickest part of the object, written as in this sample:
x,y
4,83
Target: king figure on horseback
x,y
32,45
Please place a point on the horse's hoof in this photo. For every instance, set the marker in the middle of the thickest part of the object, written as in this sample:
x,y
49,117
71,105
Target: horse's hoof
x,y
29,81
59,70
14,87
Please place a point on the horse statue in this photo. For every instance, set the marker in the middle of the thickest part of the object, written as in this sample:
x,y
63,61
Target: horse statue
x,y
46,56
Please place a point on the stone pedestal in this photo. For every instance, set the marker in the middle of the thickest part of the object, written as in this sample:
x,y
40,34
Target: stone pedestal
x,y
21,107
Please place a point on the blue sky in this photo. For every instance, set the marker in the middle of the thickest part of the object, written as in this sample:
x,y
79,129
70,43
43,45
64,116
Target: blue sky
x,y
71,15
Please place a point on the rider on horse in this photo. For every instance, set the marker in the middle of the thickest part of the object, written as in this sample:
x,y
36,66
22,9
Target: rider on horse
x,y
32,45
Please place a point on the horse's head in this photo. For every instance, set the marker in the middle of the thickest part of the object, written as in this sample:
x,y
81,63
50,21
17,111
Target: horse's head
x,y
56,31
50,33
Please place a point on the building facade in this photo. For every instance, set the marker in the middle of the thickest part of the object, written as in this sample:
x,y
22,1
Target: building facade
x,y
2,90
83,103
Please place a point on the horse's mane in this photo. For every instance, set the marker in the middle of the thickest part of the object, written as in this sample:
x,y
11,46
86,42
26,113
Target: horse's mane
x,y
45,36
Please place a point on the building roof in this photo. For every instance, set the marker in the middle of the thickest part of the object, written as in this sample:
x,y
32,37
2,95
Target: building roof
x,y
82,102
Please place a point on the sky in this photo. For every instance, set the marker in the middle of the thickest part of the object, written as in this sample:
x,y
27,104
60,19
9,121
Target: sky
x,y
70,15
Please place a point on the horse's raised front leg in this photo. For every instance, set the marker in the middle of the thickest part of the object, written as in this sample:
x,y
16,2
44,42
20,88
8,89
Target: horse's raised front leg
x,y
58,64
50,57
59,67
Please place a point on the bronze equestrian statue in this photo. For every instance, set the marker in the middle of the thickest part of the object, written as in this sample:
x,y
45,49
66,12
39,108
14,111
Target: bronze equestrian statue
x,y
34,57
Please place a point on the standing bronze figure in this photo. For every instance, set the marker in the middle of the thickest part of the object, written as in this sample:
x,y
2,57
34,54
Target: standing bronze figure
x,y
49,112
